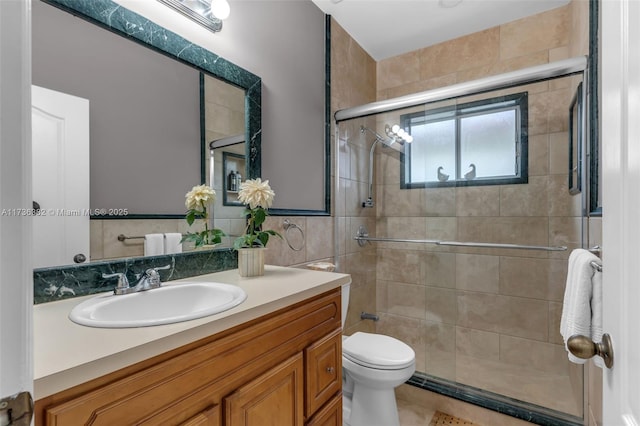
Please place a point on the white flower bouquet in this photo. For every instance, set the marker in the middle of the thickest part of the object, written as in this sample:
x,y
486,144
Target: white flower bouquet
x,y
258,197
196,202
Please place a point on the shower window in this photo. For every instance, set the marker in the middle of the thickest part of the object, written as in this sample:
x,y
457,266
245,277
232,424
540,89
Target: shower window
x,y
477,143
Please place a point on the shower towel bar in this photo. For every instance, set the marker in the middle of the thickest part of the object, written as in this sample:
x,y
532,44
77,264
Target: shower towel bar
x,y
498,245
123,237
365,238
362,236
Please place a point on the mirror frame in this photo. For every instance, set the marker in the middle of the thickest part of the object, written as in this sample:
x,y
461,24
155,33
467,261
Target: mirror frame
x,y
123,22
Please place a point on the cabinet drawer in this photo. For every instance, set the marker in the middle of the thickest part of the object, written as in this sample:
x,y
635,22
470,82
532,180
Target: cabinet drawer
x,y
330,414
323,371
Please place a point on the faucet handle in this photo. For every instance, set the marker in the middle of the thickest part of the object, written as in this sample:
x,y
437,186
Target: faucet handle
x,y
154,276
123,282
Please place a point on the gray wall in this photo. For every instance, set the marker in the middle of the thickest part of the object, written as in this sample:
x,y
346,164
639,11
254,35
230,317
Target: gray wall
x,y
283,43
144,107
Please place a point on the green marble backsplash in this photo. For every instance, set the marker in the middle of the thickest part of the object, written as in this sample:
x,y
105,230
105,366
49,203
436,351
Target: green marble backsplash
x,y
62,282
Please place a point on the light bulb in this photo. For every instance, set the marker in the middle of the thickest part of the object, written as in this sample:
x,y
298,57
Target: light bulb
x,y
401,133
408,138
395,128
220,9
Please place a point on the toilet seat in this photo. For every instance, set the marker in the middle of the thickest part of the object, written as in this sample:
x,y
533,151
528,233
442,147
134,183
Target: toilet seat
x,y
377,351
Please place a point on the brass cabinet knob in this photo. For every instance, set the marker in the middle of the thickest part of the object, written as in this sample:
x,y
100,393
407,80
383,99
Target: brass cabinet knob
x,y
583,347
330,370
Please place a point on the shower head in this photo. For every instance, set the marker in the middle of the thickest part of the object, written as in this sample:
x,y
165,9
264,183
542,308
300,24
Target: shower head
x,y
394,133
379,138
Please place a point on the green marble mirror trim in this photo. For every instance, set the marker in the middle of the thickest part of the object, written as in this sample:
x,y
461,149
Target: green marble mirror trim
x,y
115,18
51,284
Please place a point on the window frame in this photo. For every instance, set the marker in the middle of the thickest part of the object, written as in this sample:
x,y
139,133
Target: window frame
x,y
458,112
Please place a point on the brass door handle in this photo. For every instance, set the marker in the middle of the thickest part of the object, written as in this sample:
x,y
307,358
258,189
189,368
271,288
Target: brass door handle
x,y
583,347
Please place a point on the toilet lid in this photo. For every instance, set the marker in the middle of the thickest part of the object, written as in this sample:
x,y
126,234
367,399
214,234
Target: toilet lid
x,y
378,351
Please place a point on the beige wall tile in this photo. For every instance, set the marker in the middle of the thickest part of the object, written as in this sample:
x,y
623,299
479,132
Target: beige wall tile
x,y
528,199
398,70
403,228
539,155
561,203
440,341
463,53
439,202
440,269
440,228
509,230
543,31
559,153
513,316
544,357
477,273
536,278
505,65
394,202
96,239
361,299
565,231
478,201
362,267
405,300
440,305
477,343
400,265
278,251
555,314
318,237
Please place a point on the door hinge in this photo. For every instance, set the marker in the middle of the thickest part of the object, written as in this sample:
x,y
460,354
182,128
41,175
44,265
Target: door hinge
x,y
16,410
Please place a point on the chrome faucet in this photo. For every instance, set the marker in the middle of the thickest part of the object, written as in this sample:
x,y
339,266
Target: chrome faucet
x,y
146,281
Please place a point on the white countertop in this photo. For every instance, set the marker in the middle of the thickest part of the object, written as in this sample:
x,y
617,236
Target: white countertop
x,y
67,354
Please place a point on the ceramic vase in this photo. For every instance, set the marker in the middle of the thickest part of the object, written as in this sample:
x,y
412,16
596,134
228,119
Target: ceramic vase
x,y
251,262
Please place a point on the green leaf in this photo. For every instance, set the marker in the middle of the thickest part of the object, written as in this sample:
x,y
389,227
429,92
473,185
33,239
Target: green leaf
x,y
264,238
191,217
260,216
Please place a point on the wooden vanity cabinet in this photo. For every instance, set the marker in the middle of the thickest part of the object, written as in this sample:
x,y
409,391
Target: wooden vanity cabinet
x,y
278,370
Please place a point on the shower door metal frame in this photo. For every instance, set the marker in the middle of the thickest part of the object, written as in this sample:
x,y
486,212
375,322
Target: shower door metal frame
x,y
528,75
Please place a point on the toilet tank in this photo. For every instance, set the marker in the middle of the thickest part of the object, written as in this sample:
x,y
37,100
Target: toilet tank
x,y
346,290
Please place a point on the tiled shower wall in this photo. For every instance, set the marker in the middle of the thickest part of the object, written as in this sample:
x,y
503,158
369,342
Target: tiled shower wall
x,y
471,313
486,318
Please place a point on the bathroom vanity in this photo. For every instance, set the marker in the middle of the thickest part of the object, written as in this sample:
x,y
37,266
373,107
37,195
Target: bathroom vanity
x,y
273,360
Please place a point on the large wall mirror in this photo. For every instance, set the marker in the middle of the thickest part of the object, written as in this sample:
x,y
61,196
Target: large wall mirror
x,y
156,101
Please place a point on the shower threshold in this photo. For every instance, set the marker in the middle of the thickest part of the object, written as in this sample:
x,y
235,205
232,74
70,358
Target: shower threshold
x,y
492,401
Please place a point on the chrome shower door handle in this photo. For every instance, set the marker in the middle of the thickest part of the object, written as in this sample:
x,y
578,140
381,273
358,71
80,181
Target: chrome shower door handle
x,y
583,347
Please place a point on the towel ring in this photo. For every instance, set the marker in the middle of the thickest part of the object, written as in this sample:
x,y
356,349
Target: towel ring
x,y
288,226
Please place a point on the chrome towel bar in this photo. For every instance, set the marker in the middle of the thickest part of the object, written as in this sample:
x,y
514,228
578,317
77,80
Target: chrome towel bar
x,y
362,237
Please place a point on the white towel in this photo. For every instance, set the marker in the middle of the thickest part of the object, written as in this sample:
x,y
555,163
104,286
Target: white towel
x,y
172,242
582,305
153,244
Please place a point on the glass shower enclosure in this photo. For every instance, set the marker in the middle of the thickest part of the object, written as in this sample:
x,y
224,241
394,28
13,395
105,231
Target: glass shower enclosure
x,y
457,234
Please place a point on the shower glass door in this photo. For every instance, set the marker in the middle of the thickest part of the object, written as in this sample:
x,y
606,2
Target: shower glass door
x,y
489,168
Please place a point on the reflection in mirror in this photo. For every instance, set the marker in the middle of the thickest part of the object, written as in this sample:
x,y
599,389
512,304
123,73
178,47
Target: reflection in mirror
x,y
66,59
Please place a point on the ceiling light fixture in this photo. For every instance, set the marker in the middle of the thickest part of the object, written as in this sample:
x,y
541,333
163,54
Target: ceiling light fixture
x,y
208,13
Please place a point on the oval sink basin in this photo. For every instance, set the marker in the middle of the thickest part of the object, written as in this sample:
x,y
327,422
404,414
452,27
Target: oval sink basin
x,y
164,305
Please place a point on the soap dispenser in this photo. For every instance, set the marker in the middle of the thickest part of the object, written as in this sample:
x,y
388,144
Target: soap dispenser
x,y
231,182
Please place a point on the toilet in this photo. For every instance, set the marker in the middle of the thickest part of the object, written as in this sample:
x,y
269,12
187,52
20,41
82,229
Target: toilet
x,y
372,366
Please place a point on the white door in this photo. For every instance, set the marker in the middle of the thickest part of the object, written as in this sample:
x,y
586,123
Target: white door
x,y
621,207
60,167
16,275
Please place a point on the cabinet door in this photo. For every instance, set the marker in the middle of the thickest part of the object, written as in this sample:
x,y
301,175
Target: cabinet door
x,y
330,414
273,399
324,371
